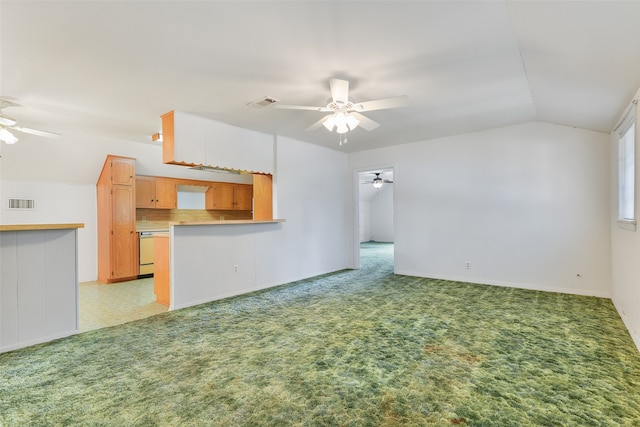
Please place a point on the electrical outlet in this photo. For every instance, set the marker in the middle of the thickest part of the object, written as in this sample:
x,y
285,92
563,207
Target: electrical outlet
x,y
467,264
144,219
235,269
221,217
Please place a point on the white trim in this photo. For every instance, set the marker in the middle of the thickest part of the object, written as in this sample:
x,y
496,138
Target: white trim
x,y
40,340
627,323
627,119
627,224
526,286
355,205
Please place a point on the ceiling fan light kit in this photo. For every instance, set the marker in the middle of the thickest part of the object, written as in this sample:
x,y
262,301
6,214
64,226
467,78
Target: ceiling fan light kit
x,y
343,122
377,181
345,114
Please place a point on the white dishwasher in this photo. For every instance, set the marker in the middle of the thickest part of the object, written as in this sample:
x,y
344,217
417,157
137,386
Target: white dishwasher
x,y
146,253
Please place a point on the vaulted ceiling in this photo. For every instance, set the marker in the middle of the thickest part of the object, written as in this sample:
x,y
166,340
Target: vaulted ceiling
x,y
115,67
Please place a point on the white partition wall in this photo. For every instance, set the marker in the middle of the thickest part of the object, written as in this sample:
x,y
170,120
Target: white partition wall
x,y
211,262
38,286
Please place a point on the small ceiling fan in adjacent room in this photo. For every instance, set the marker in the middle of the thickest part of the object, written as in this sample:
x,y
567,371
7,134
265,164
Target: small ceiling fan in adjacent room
x,y
377,181
9,125
345,113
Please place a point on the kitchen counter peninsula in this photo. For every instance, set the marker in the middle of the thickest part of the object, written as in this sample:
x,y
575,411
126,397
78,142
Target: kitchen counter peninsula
x,y
29,227
228,222
38,283
203,261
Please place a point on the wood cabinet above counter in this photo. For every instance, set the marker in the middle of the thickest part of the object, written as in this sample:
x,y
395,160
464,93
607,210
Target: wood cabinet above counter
x,y
192,140
227,196
156,192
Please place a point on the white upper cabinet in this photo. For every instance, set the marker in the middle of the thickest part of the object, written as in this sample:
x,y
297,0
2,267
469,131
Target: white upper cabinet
x,y
190,139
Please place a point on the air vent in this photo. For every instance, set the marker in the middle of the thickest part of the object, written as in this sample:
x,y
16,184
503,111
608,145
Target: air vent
x,y
22,204
264,102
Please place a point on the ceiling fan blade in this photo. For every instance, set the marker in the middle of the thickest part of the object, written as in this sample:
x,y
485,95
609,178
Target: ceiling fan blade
x,y
36,132
339,90
382,104
298,107
365,122
316,125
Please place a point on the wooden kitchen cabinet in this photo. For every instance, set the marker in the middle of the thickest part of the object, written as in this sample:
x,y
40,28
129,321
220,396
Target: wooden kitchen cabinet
x,y
242,197
117,238
156,192
227,196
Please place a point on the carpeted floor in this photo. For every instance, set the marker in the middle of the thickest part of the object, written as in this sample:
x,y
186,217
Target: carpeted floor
x,y
354,348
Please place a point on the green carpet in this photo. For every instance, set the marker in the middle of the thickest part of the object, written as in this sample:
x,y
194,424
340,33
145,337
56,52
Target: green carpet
x,y
354,348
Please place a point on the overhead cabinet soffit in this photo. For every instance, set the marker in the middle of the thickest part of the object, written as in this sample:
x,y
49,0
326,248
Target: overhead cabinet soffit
x,y
192,140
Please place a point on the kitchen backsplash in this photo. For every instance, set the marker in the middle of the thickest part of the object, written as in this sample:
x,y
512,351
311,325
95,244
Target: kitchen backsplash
x,y
158,219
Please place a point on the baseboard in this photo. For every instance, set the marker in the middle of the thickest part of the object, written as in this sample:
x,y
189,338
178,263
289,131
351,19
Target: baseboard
x,y
41,340
259,287
527,286
634,335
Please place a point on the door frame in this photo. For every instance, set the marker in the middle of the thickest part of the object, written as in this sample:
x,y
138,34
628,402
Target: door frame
x,y
355,209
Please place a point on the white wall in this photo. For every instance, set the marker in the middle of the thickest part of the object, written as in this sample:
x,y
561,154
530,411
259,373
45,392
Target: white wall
x,y
364,223
376,213
527,205
625,248
58,203
381,214
311,197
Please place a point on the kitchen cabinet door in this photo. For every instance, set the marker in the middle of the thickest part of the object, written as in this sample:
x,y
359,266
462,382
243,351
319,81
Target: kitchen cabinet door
x,y
156,193
220,196
117,239
145,192
122,171
124,260
166,193
242,197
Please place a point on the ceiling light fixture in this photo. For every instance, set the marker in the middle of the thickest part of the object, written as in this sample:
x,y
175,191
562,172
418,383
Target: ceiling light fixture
x,y
341,121
7,137
377,182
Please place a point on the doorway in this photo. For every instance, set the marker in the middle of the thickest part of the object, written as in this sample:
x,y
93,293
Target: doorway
x,y
375,208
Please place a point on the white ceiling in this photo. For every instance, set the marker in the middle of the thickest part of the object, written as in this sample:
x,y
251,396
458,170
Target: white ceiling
x,y
114,67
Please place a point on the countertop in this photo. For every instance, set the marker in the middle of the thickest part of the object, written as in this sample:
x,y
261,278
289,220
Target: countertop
x,y
28,227
230,222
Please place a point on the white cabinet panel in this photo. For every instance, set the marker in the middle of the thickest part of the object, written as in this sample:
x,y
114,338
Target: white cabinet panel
x,y
202,141
189,132
8,290
38,286
31,284
61,294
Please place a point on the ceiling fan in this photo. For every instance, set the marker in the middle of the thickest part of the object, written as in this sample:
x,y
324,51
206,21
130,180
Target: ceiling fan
x,y
7,124
345,113
377,181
